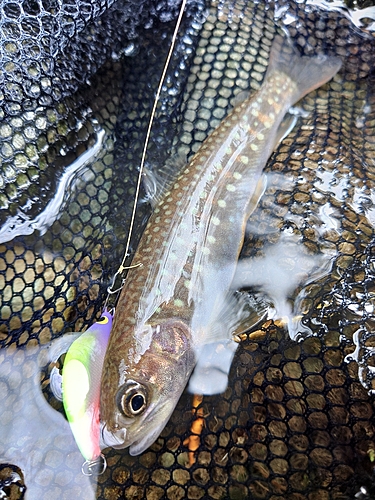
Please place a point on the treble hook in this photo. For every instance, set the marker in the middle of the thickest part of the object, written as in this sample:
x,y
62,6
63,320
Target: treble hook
x,y
94,467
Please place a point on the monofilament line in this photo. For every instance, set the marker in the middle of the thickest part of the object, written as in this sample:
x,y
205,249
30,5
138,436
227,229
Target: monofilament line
x,y
143,158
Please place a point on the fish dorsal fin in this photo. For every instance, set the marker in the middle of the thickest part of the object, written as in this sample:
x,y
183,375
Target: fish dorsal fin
x,y
157,183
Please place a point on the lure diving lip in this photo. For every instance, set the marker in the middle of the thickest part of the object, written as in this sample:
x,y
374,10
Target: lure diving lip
x,y
81,376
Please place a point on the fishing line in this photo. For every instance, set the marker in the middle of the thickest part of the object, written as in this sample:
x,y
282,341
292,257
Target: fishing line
x,y
122,267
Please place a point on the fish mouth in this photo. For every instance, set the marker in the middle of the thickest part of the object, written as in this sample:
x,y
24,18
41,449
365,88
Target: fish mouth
x,y
119,439
141,444
140,439
115,439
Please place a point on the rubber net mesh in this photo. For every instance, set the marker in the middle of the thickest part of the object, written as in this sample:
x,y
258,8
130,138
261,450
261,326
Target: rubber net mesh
x,y
77,83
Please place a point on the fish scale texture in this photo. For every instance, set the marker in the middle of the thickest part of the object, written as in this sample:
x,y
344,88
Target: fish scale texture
x,y
77,87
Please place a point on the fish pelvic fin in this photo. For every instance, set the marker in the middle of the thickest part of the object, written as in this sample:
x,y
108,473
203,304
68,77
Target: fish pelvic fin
x,y
307,72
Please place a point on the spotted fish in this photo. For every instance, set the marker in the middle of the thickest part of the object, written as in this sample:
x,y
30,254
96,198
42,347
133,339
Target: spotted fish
x,y
170,309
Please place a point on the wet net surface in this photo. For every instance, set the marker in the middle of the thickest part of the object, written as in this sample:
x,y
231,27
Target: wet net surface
x,y
77,84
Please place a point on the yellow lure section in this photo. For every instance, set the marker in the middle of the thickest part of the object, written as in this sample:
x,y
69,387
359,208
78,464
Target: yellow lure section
x,y
81,377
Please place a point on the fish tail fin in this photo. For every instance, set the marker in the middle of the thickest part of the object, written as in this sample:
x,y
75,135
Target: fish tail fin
x,y
307,72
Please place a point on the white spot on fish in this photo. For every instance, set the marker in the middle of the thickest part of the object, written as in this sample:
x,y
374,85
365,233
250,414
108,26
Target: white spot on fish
x,y
222,203
206,251
254,147
255,112
211,239
187,284
231,188
237,175
178,303
244,159
215,221
260,136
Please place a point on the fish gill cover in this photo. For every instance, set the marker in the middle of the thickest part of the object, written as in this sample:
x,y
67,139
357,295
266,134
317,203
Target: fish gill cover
x,y
77,84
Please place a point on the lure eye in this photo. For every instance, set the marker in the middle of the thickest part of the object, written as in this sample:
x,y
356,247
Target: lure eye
x,y
132,399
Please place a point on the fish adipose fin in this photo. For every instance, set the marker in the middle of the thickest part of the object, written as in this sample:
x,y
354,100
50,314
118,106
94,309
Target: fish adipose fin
x,y
308,73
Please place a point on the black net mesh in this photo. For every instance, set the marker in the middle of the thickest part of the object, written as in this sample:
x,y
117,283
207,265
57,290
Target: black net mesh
x,y
77,85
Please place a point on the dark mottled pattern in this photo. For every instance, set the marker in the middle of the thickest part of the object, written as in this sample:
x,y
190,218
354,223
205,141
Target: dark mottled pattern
x,y
296,422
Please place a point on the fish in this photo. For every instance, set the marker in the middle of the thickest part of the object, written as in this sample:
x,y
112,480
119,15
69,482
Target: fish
x,y
170,308
81,385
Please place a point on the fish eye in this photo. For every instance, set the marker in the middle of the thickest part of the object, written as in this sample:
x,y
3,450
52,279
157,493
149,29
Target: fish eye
x,y
136,403
132,399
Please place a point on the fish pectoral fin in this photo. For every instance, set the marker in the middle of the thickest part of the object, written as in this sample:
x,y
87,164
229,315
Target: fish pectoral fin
x,y
157,183
242,311
250,309
210,375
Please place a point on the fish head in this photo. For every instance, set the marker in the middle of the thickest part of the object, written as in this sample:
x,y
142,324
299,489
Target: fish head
x,y
141,389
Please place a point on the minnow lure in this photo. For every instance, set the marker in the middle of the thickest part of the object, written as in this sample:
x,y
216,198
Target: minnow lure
x,y
170,309
81,375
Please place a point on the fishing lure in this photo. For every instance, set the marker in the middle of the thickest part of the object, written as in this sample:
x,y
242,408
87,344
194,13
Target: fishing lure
x,y
81,386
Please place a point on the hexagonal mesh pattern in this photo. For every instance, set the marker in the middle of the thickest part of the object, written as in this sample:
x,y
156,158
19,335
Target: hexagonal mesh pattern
x,y
77,87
